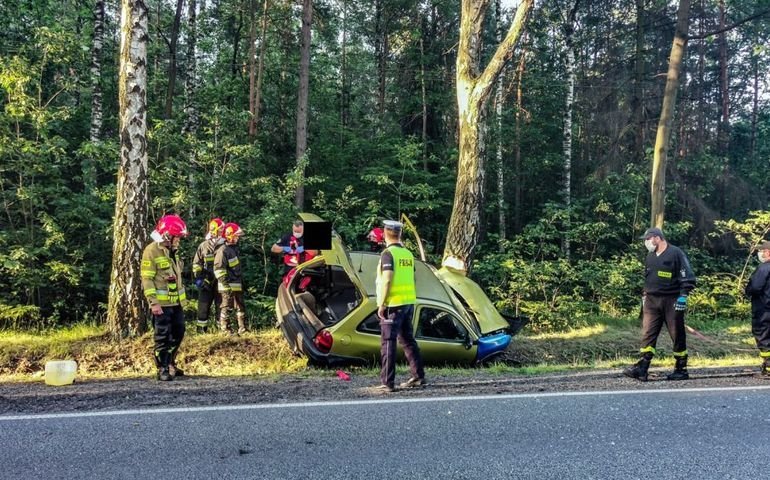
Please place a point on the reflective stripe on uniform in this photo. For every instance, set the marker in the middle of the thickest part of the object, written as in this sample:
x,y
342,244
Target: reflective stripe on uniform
x,y
680,354
163,262
764,354
647,350
220,273
233,262
233,287
197,269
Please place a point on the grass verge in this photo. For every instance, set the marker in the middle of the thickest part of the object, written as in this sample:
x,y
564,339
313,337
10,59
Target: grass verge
x,y
604,344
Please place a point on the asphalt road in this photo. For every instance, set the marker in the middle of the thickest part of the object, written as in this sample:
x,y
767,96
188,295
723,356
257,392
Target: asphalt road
x,y
688,433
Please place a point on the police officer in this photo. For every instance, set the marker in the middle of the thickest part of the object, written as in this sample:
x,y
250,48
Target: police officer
x,y
203,270
758,289
161,274
396,295
668,280
227,269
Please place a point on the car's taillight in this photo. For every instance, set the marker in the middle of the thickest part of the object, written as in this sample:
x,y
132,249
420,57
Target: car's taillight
x,y
323,341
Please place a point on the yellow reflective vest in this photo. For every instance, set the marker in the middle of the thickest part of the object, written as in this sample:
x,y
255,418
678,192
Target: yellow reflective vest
x,y
162,276
402,289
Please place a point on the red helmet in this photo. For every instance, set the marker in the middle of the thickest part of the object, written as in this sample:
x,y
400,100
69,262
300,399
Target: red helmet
x,y
232,230
376,235
216,227
171,226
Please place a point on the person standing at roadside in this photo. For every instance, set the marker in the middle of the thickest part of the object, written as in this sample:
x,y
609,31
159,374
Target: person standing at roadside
x,y
758,290
292,246
668,281
227,269
203,270
161,274
396,296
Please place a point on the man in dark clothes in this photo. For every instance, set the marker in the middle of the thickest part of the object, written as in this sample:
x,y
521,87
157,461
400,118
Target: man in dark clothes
x,y
292,246
668,280
758,289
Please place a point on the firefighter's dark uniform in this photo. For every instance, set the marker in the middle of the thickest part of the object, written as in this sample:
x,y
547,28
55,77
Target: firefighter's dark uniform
x,y
758,289
397,325
667,276
227,269
162,283
203,268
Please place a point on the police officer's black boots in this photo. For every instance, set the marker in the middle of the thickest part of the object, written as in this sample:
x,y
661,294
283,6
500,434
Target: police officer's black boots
x,y
639,369
680,370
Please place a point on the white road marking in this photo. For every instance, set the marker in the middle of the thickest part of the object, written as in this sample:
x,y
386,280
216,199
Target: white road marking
x,y
376,401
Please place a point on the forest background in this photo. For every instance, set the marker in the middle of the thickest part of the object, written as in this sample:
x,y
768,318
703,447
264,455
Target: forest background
x,y
382,139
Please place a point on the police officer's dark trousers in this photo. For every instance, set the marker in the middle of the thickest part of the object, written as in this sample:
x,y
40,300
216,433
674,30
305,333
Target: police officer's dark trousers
x,y
659,309
169,332
397,325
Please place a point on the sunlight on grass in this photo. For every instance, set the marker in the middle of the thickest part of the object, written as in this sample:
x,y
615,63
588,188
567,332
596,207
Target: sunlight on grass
x,y
583,332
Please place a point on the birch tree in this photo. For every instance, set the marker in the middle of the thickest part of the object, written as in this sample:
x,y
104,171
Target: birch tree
x,y
473,89
127,309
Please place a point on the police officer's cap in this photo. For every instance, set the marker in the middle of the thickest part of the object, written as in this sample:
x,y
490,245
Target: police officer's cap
x,y
764,245
653,232
392,225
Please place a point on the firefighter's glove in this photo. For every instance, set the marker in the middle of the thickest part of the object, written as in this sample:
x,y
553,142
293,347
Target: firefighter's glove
x,y
681,304
198,282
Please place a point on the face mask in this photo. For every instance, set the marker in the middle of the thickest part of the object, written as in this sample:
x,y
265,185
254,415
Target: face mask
x,y
760,257
650,246
297,235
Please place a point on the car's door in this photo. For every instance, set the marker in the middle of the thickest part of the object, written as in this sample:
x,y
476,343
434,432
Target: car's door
x,y
442,335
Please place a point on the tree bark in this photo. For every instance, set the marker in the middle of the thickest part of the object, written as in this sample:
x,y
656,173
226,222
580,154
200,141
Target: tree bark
x,y
345,90
190,86
519,178
424,101
302,95
261,64
127,310
663,137
638,100
499,131
473,89
96,71
172,49
723,134
252,126
569,29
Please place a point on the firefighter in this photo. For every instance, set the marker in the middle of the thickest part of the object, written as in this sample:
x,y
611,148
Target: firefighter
x,y
396,295
162,284
203,270
227,269
758,289
668,281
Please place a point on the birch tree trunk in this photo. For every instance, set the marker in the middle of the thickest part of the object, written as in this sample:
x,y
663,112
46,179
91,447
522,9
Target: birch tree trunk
x,y
172,48
499,128
261,63
191,79
663,137
127,310
473,90
518,177
569,30
89,170
302,95
96,71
